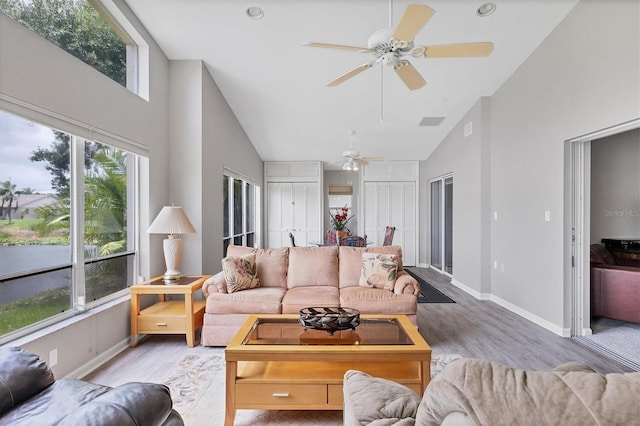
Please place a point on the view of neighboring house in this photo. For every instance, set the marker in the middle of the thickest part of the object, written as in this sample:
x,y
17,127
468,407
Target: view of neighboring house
x,y
28,203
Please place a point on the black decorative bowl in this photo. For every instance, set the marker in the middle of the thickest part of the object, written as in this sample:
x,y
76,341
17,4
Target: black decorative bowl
x,y
329,319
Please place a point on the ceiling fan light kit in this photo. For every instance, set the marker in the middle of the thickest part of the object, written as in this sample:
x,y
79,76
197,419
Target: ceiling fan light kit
x,y
389,45
486,9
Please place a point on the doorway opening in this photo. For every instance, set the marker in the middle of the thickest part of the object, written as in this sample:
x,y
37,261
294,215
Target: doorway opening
x,y
593,197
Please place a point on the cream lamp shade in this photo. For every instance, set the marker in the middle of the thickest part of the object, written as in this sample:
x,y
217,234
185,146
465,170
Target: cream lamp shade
x,y
172,220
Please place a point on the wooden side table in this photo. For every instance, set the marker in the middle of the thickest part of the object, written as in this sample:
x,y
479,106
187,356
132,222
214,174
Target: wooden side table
x,y
168,316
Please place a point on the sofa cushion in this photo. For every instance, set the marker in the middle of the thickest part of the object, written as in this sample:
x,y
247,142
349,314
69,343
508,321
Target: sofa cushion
x,y
378,271
260,300
22,375
351,262
304,297
54,403
313,266
571,395
122,406
377,301
240,272
377,401
271,264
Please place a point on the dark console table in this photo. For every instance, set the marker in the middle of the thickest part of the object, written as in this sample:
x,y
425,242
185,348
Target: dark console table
x,y
623,249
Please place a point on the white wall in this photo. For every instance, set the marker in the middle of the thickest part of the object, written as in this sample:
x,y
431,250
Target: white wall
x,y
615,187
582,78
462,156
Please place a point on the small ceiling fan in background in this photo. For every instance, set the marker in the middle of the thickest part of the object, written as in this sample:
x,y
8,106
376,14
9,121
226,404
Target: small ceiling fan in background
x,y
352,158
390,46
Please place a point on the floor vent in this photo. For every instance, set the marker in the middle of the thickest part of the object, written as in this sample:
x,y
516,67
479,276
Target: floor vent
x,y
431,121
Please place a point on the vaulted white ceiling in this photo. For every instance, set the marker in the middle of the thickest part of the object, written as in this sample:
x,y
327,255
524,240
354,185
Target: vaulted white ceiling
x,y
277,87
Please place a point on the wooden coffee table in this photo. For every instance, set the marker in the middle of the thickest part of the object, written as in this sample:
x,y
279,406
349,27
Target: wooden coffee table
x,y
274,364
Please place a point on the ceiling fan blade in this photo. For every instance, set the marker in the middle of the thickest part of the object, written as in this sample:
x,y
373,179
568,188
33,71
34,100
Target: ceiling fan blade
x,y
409,75
414,18
459,50
346,76
338,46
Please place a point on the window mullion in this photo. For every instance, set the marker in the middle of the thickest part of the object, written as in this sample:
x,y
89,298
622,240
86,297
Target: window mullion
x,y
76,168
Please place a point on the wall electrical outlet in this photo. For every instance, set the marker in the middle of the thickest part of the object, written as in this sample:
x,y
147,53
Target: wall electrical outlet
x,y
53,357
547,216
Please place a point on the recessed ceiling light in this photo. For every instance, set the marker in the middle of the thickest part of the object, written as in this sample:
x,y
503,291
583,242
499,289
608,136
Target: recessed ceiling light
x,y
254,12
486,9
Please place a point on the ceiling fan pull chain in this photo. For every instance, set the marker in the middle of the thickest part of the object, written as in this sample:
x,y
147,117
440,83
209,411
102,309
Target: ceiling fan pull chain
x,y
382,96
390,13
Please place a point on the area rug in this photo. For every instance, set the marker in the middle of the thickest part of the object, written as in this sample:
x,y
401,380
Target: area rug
x,y
198,392
428,293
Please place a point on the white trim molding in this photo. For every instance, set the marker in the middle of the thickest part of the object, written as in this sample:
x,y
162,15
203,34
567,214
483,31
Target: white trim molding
x,y
560,331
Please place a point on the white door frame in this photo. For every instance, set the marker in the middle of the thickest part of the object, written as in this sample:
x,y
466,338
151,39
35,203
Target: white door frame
x,y
577,228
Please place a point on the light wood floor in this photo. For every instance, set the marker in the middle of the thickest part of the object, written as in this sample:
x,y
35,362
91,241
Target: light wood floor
x,y
470,327
482,329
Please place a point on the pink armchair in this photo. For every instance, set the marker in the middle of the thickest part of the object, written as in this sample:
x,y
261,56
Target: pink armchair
x,y
615,289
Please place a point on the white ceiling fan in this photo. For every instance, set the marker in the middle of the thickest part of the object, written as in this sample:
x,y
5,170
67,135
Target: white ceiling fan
x,y
391,45
351,158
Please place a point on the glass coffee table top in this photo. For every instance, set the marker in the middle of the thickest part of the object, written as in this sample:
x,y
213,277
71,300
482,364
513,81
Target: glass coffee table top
x,y
288,331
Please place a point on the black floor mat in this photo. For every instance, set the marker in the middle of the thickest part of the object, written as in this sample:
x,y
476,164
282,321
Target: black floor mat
x,y
428,293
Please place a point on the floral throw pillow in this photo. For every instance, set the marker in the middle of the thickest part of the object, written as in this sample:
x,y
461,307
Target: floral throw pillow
x,y
379,271
240,272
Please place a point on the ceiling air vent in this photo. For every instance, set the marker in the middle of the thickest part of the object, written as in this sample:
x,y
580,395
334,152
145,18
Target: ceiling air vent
x,y
431,121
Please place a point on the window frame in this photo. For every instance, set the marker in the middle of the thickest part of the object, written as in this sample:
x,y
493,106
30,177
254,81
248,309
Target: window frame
x,y
246,185
78,262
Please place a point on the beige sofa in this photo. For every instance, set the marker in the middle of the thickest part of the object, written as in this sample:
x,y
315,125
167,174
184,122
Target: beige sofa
x,y
481,392
299,277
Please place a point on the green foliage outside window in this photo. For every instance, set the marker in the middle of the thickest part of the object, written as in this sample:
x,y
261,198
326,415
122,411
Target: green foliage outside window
x,y
75,26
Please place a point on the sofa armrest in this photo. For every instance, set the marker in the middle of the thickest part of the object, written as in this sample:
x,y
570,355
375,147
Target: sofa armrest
x,y
615,292
129,404
406,284
377,401
214,284
22,375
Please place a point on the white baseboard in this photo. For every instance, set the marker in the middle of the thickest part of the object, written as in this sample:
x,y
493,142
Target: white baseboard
x,y
96,362
560,331
471,291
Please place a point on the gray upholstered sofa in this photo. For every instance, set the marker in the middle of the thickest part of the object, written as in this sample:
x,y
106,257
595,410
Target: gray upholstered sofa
x,y
29,395
481,392
298,277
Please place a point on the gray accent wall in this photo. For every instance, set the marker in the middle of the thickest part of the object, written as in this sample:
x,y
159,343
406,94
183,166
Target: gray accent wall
x,y
615,187
582,78
189,132
205,137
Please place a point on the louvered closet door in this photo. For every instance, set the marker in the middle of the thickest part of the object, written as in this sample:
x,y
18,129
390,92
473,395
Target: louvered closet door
x,y
392,204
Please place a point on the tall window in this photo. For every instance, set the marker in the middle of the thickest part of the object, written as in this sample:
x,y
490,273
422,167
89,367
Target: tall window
x,y
82,28
66,224
239,212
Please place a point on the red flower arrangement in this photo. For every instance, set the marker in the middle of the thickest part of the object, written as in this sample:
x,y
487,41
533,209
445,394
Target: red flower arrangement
x,y
341,219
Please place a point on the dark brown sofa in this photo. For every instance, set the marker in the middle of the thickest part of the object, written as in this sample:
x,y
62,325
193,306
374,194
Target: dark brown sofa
x,y
29,395
615,288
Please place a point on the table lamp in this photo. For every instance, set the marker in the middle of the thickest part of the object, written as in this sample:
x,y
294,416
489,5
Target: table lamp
x,y
172,220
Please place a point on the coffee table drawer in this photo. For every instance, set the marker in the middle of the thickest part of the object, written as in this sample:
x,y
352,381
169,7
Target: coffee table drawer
x,y
336,395
280,394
